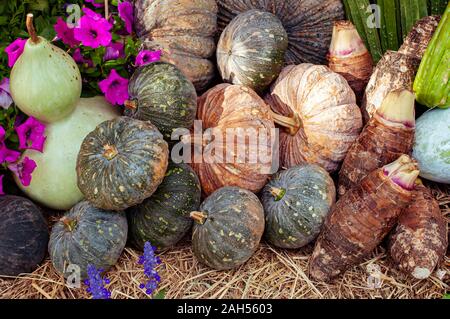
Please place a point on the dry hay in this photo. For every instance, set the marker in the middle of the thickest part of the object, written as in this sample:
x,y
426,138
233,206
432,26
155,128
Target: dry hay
x,y
270,273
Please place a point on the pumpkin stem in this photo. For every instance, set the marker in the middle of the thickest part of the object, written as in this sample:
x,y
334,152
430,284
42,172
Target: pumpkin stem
x,y
110,152
31,29
293,124
130,104
69,223
198,217
277,193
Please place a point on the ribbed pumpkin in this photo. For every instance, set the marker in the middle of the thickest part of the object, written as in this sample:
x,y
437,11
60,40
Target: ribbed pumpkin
x,y
160,93
121,163
184,30
163,219
296,202
228,228
23,236
318,109
87,235
308,24
228,107
251,49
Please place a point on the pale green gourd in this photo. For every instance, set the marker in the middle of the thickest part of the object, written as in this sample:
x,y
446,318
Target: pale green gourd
x,y
45,81
54,182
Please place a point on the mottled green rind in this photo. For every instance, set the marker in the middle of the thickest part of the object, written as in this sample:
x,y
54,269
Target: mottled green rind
x,y
164,96
23,236
163,219
296,219
232,230
98,238
45,82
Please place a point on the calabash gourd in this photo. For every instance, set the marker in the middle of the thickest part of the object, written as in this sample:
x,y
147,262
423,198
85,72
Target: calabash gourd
x,y
163,219
87,235
54,182
308,24
160,93
318,110
45,81
228,228
184,31
23,236
243,158
251,49
296,202
121,163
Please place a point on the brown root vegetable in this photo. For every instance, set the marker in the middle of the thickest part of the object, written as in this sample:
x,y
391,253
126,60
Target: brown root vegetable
x,y
349,57
362,218
420,35
389,134
394,71
419,242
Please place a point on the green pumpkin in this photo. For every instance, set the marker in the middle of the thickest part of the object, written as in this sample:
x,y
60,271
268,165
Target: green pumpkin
x,y
87,235
160,93
228,228
121,163
163,219
296,202
23,236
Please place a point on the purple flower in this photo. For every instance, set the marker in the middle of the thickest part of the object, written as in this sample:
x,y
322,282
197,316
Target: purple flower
x,y
93,30
80,59
65,33
31,134
23,170
6,155
115,88
14,50
5,94
126,14
1,185
114,51
150,261
96,284
95,3
145,57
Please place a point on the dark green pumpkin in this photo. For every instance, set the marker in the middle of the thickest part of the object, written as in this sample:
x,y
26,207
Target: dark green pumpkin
x,y
296,202
87,235
23,236
160,93
251,49
163,219
228,228
121,163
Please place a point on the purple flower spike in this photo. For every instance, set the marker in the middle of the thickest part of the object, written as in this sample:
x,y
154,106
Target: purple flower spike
x,y
145,57
115,88
127,15
5,94
14,50
23,170
150,262
31,134
96,284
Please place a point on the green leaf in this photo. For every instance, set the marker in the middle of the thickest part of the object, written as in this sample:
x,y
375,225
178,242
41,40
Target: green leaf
x,y
160,294
446,296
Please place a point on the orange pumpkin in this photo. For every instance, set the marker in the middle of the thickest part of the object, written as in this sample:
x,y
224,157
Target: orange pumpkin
x,y
318,110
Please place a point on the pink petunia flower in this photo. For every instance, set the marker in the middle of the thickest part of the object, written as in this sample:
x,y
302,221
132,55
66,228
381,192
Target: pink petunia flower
x,y
31,134
92,14
93,31
114,51
5,94
80,59
14,50
95,3
23,170
65,33
127,15
145,57
1,185
6,155
115,88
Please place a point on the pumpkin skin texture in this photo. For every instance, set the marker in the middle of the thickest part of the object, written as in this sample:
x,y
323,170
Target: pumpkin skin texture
x,y
321,107
54,182
308,23
296,202
121,163
184,30
23,236
225,107
163,219
87,235
228,228
251,49
160,93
